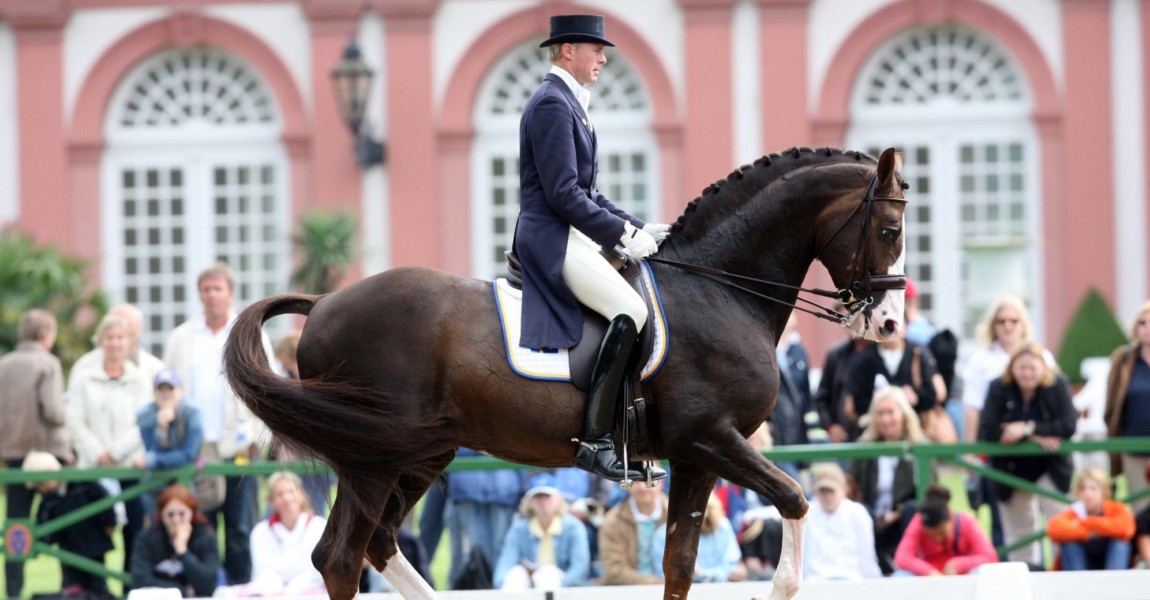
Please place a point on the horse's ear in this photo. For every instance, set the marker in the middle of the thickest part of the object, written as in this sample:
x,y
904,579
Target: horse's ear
x,y
889,167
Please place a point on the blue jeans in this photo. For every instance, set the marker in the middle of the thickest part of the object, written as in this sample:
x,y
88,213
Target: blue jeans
x,y
431,518
482,525
1097,554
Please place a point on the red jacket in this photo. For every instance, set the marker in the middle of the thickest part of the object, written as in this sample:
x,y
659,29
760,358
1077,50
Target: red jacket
x,y
967,546
1115,522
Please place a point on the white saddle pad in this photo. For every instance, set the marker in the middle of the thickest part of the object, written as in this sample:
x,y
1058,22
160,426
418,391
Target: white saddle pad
x,y
552,365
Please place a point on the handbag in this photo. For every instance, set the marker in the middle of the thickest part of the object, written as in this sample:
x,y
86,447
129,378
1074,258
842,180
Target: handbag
x,y
210,490
936,423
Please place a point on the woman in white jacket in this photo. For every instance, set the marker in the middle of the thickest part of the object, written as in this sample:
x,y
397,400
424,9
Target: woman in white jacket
x,y
102,406
282,544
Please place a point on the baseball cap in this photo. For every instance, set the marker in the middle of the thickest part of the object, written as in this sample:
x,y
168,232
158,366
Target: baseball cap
x,y
544,483
167,376
828,476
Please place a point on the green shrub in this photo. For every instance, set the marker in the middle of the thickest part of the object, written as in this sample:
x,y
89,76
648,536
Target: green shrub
x,y
1092,332
33,275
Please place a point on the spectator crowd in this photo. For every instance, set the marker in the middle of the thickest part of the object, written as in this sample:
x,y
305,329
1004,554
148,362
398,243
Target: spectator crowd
x,y
513,529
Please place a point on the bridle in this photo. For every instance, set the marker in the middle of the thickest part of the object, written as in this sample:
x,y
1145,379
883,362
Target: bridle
x,y
861,287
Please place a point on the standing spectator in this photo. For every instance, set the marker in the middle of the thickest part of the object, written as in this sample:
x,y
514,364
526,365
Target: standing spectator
x,y
718,558
102,410
830,399
886,484
1128,402
1031,401
1004,327
627,539
194,350
34,416
90,538
840,533
909,366
939,541
147,362
316,484
1095,532
919,329
179,550
483,503
548,548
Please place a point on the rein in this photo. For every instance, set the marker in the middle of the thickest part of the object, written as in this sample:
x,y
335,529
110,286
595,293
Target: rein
x,y
854,303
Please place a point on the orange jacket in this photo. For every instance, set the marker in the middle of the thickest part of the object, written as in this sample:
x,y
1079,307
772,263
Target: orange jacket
x,y
1115,522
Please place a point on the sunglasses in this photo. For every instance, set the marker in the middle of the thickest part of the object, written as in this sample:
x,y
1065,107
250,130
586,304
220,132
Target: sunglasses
x,y
1006,321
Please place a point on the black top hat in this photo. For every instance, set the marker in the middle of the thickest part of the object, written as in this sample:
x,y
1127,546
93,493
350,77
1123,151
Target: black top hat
x,y
572,29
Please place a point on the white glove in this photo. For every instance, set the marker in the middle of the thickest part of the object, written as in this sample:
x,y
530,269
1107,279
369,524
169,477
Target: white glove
x,y
659,231
638,242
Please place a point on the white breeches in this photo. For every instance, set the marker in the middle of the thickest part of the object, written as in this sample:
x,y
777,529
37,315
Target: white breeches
x,y
596,284
546,577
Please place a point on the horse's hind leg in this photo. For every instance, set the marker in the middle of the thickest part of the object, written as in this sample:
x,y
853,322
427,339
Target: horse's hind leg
x,y
382,549
339,554
688,503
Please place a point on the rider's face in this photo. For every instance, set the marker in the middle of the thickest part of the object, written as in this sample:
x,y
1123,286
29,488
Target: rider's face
x,y
586,59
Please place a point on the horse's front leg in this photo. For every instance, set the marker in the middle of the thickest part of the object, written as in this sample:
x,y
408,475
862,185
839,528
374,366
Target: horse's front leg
x,y
688,502
729,456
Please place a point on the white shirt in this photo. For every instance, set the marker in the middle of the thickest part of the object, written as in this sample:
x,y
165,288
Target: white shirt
x,y
207,388
582,94
281,557
984,366
839,545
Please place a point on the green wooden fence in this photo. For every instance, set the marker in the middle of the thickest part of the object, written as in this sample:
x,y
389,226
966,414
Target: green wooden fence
x,y
22,537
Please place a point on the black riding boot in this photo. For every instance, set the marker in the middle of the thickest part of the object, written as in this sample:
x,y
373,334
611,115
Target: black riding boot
x,y
596,452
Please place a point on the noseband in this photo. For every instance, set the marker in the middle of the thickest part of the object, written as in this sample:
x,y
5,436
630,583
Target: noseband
x,y
859,293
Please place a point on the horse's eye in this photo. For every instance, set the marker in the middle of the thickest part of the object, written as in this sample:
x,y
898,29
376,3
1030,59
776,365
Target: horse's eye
x,y
890,234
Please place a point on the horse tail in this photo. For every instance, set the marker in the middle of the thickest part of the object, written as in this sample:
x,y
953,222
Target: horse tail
x,y
353,428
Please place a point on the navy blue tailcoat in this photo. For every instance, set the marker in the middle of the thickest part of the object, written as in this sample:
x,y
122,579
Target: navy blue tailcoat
x,y
558,162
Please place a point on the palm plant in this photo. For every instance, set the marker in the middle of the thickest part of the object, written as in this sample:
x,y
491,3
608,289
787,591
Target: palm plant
x,y
325,247
40,276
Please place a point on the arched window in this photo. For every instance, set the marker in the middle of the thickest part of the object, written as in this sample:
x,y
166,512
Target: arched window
x,y
194,174
621,113
957,105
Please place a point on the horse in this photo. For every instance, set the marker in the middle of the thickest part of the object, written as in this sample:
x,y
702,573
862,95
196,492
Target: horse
x,y
400,369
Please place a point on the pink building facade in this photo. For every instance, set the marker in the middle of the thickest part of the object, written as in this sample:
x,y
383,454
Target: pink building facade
x,y
155,137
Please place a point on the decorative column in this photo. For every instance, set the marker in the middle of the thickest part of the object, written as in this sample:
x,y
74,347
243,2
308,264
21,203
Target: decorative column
x,y
1087,203
43,193
417,215
707,135
783,74
335,176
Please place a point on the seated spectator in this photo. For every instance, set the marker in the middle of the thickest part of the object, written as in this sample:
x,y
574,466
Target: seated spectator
x,y
939,541
886,484
171,428
90,538
627,538
282,544
1095,531
546,549
180,550
840,533
904,364
1142,540
719,559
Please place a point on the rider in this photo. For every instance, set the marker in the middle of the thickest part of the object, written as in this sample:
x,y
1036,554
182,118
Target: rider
x,y
564,224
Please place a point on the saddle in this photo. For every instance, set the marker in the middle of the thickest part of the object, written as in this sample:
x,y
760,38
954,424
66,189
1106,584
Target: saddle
x,y
582,355
636,411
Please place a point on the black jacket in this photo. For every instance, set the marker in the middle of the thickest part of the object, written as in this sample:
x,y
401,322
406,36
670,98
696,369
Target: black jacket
x,y
868,363
828,398
89,537
1053,415
155,564
865,472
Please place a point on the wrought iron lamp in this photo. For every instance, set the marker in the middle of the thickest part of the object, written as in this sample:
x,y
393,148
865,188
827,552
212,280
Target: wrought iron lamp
x,y
352,78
